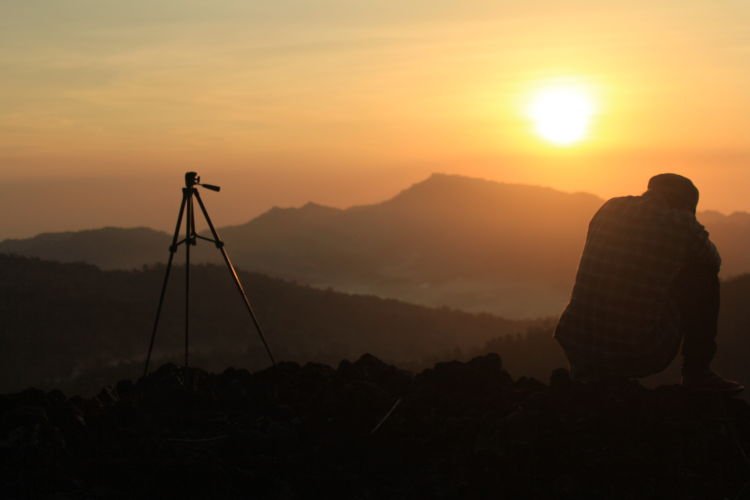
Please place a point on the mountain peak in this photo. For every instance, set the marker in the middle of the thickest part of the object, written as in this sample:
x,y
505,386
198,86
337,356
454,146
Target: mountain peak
x,y
311,206
307,213
442,188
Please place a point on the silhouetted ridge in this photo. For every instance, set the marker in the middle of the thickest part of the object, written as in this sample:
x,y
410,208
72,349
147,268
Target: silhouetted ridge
x,y
371,430
108,247
75,325
471,244
450,187
310,212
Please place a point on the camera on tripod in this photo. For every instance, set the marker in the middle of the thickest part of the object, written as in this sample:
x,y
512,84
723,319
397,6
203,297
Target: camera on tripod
x,y
193,179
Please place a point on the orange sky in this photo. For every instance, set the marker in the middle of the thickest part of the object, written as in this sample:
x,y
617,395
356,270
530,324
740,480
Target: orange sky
x,y
347,102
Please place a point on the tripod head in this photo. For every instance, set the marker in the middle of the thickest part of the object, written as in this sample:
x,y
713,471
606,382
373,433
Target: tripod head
x,y
193,179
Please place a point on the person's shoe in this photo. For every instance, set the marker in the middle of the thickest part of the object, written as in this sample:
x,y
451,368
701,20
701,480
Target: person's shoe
x,y
709,381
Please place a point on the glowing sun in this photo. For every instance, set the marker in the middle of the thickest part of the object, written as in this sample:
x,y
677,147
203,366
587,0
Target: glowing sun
x,y
561,114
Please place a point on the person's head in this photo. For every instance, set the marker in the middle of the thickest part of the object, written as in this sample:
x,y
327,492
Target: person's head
x,y
679,192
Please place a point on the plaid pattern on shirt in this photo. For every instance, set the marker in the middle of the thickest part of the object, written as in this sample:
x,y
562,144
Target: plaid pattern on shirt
x,y
621,319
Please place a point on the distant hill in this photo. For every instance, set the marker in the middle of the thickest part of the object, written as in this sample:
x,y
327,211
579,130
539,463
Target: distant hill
x,y
62,320
78,327
467,243
731,233
107,248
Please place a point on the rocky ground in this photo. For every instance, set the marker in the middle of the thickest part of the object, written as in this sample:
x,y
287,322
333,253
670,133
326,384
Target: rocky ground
x,y
367,430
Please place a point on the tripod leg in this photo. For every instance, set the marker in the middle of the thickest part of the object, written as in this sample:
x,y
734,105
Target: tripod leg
x,y
188,243
172,250
235,277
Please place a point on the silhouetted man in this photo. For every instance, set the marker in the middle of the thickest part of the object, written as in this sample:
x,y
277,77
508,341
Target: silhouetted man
x,y
647,282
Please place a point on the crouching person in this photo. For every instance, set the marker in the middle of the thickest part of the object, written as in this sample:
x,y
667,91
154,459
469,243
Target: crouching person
x,y
647,284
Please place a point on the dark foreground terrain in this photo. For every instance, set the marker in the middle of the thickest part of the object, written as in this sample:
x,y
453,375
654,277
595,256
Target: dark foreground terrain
x,y
459,430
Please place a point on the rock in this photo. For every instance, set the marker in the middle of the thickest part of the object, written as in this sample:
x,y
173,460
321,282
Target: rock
x,y
107,396
529,385
55,397
124,389
456,430
560,379
371,369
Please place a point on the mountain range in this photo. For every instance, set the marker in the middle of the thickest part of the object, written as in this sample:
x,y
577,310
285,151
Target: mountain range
x,y
449,240
77,327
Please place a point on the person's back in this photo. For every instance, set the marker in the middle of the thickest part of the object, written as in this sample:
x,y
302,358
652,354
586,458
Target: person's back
x,y
628,310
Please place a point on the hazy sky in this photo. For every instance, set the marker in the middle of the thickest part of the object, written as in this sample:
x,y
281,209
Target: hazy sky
x,y
104,104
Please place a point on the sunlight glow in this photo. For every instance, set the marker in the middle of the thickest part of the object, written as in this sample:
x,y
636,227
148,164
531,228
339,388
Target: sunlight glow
x,y
561,114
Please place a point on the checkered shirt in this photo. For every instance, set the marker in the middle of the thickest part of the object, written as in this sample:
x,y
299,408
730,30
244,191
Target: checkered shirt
x,y
621,319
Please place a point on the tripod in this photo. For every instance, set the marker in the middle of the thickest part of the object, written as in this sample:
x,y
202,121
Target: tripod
x,y
187,213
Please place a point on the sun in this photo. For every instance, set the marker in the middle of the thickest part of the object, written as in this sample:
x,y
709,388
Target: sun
x,y
561,114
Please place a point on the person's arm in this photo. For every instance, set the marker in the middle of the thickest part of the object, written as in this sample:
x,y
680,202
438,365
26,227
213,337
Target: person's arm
x,y
702,249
